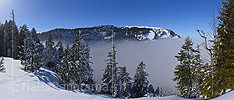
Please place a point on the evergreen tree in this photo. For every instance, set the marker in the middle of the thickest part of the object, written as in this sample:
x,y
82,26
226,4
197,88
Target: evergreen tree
x,y
124,83
151,91
89,71
80,68
185,73
221,77
58,54
2,68
59,46
50,53
22,36
140,84
64,73
33,49
110,75
197,70
10,39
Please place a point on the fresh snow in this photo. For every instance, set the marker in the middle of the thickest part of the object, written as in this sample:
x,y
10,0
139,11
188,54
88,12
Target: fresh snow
x,y
17,84
160,32
150,35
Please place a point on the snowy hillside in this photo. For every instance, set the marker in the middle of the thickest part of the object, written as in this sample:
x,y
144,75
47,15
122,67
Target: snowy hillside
x,y
42,86
104,33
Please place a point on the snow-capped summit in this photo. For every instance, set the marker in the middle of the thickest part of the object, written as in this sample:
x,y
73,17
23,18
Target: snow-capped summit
x,y
104,33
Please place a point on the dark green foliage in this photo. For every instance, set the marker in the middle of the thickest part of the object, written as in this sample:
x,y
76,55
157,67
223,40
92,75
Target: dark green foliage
x,y
140,84
75,68
32,52
124,83
22,36
223,71
188,73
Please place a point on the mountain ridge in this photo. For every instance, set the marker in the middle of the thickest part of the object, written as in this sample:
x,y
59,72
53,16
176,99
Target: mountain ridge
x,y
104,33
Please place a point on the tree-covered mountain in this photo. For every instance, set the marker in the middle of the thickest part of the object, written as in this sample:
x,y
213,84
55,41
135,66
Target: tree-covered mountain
x,y
104,33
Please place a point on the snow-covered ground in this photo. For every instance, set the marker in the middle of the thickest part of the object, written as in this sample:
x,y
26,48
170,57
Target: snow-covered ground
x,y
16,84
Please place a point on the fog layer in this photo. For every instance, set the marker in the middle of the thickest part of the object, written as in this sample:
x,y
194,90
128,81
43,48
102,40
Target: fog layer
x,y
158,55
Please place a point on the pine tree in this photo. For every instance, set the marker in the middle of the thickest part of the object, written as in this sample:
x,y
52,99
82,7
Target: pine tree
x,y
64,73
185,72
32,49
140,84
124,83
50,53
59,46
22,36
110,75
10,39
89,71
58,54
79,62
2,68
37,49
223,71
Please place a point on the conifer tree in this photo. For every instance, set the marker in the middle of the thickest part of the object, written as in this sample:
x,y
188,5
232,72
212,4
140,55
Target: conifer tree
x,y
140,84
89,71
22,36
10,39
33,50
49,53
110,75
64,73
223,71
151,91
2,68
185,71
124,83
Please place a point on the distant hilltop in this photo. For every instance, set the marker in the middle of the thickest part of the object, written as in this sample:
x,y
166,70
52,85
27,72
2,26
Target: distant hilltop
x,y
104,33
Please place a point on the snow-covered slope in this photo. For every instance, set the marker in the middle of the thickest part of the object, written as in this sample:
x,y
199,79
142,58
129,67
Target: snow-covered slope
x,y
16,84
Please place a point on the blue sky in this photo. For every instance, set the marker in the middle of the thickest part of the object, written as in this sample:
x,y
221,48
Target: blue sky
x,y
182,16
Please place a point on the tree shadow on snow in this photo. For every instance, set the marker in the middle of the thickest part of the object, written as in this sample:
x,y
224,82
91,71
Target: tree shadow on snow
x,y
48,78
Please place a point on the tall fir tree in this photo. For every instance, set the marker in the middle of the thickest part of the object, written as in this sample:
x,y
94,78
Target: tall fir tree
x,y
188,73
89,71
50,53
124,83
22,36
110,75
10,39
33,50
64,73
223,71
140,84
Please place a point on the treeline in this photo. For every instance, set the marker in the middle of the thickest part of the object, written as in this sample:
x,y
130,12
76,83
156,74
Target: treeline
x,y
194,77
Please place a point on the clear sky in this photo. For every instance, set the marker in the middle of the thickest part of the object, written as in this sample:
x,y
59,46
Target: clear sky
x,y
182,16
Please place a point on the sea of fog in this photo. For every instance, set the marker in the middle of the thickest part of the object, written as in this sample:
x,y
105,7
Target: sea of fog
x,y
158,55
